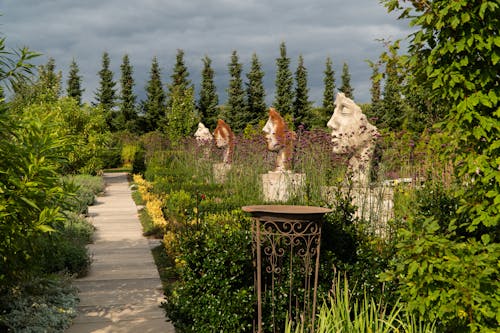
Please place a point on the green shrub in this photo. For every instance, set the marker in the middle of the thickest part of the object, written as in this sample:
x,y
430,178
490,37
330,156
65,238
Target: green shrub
x,y
40,305
215,291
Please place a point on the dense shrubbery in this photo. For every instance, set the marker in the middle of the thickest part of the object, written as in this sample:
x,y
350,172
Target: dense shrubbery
x,y
202,220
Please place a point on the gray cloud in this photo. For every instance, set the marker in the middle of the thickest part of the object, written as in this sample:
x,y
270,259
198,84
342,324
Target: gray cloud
x,y
346,31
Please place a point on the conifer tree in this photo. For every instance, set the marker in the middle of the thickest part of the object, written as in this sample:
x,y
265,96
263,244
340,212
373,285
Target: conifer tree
x,y
179,78
106,93
255,92
154,106
49,82
329,82
235,111
284,82
128,112
393,111
375,110
301,104
346,82
74,88
209,100
180,90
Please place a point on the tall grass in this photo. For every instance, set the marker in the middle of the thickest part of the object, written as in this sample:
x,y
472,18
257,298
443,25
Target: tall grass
x,y
341,313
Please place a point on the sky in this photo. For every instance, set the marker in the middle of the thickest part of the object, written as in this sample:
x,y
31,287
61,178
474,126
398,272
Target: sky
x,y
346,31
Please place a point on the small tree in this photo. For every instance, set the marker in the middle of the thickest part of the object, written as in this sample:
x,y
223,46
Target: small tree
x,y
74,88
346,82
181,115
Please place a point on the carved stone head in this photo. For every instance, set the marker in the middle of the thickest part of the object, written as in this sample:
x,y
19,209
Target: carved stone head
x,y
353,135
224,138
279,139
203,134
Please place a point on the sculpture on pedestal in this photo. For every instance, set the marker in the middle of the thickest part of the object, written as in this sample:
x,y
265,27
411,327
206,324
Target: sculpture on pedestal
x,y
353,136
224,138
203,135
279,139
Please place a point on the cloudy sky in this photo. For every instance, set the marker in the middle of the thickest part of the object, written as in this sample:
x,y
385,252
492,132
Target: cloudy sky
x,y
346,31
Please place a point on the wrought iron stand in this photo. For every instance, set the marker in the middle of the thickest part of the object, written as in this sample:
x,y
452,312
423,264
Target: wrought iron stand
x,y
289,238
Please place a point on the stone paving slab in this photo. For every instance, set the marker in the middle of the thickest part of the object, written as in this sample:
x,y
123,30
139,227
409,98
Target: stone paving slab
x,y
122,292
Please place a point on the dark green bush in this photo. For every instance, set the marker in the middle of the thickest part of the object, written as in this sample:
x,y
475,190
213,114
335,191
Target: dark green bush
x,y
215,291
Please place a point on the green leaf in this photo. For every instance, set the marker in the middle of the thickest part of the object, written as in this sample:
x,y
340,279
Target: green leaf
x,y
485,239
45,228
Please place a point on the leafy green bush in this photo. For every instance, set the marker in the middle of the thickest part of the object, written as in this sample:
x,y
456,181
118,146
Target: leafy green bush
x,y
40,305
215,291
445,273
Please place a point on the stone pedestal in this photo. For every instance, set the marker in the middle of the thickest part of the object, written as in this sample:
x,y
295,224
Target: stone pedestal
x,y
220,171
281,185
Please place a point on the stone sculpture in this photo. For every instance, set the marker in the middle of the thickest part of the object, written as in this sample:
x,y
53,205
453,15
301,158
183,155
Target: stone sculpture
x,y
203,134
224,138
353,136
279,139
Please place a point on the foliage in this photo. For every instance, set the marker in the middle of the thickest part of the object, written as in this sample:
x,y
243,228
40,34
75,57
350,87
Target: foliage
x,y
74,88
43,304
181,115
105,95
346,87
216,279
454,54
15,67
30,191
128,113
341,313
284,81
255,93
328,93
301,105
153,108
236,113
208,101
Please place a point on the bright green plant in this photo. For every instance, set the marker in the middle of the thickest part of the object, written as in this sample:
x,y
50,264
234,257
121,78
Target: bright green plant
x,y
454,53
215,291
30,192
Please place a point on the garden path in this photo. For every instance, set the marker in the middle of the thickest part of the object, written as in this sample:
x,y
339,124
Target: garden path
x,y
122,291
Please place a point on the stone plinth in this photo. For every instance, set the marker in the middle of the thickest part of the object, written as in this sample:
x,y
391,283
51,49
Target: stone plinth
x,y
281,185
220,171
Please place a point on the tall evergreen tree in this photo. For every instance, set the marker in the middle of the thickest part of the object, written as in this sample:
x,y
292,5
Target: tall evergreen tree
x,y
329,82
106,93
255,92
235,111
128,111
284,82
179,85
375,110
301,104
209,100
74,88
346,82
179,78
154,106
393,110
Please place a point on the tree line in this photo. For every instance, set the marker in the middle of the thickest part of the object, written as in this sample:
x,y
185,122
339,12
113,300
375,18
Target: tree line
x,y
168,104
